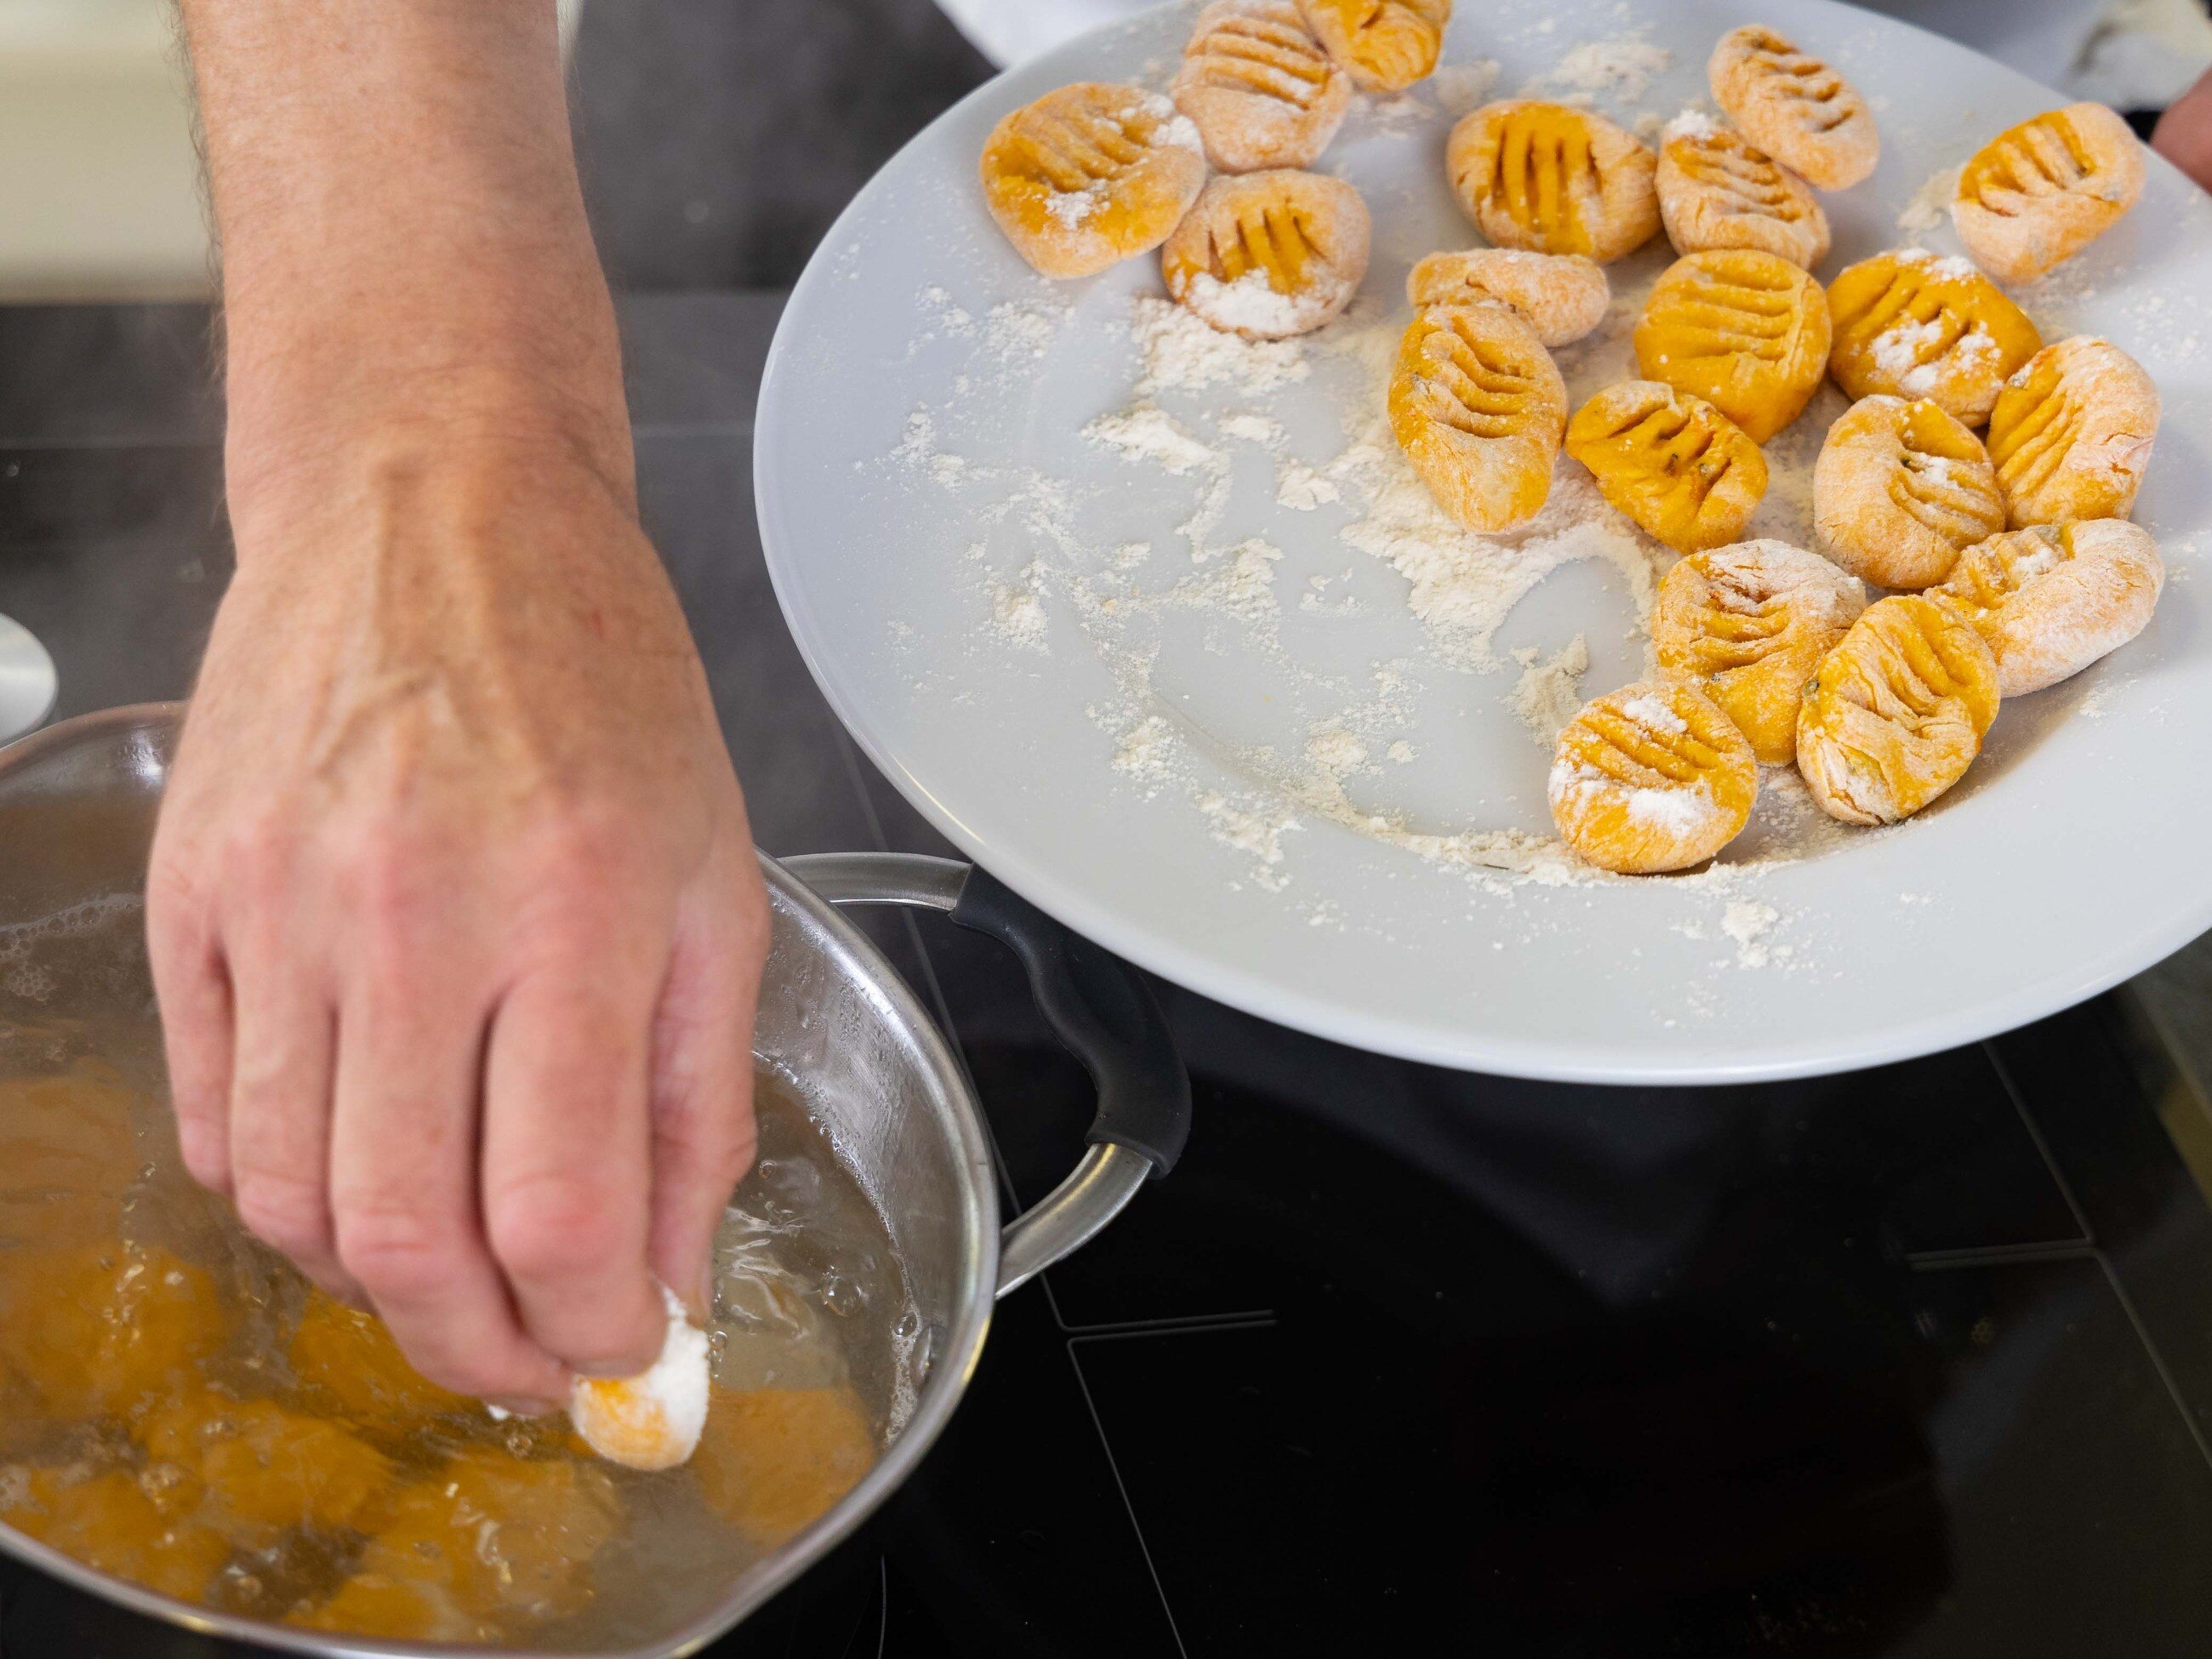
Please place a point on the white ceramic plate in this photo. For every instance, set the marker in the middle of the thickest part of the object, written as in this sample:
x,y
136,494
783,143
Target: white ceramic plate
x,y
924,381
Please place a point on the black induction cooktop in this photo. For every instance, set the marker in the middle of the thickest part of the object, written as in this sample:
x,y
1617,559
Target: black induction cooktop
x,y
1909,1361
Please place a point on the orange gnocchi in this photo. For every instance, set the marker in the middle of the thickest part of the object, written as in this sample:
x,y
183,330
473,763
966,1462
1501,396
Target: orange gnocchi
x,y
1746,331
263,1465
2040,192
1718,190
1748,624
1267,255
109,1523
2053,599
1795,107
1652,777
94,1331
1478,407
2071,433
1900,489
1091,174
1911,325
1672,462
1896,712
1385,44
1552,180
1258,87
1563,296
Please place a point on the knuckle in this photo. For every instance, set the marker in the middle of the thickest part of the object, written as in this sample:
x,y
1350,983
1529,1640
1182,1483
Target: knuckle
x,y
260,855
554,1227
394,1250
172,893
715,1148
284,1209
577,840
393,872
206,1158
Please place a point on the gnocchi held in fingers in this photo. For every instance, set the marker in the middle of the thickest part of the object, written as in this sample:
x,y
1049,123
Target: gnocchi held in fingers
x,y
652,1421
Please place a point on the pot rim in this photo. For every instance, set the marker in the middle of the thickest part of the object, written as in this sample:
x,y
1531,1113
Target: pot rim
x,y
951,1367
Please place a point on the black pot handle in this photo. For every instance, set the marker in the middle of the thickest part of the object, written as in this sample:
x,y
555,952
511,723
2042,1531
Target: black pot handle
x,y
1097,1005
1102,1011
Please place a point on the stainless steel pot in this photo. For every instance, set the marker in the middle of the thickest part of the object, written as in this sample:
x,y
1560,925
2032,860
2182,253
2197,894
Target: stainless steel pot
x,y
77,803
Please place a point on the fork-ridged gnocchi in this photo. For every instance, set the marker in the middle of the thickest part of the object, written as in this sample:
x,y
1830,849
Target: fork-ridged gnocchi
x,y
1260,87
1900,489
1563,296
1717,188
1747,332
1912,324
1386,45
1553,179
1795,107
1267,255
1748,624
1651,777
1895,715
2040,192
2053,599
2071,433
1091,174
1478,407
1672,462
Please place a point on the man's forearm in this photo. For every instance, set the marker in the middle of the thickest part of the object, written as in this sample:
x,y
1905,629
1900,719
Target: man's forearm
x,y
403,234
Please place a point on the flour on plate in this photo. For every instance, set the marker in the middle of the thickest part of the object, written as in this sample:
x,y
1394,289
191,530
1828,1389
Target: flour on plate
x,y
1615,70
1275,508
1183,354
1931,203
1550,690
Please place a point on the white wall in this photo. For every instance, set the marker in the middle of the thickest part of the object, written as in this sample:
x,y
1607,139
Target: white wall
x,y
98,182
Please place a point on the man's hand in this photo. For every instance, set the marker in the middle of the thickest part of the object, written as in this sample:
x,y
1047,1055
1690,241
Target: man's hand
x,y
2184,132
454,916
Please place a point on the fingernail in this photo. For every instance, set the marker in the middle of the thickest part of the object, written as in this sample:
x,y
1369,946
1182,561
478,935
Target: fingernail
x,y
611,1371
518,1407
703,1309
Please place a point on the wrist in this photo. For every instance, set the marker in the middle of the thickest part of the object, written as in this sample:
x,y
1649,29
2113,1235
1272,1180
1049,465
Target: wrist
x,y
296,438
452,444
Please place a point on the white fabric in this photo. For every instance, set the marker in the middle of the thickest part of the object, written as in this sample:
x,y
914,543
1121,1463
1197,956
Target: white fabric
x,y
1010,31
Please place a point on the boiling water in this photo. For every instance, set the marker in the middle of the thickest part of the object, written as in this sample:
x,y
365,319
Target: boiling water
x,y
111,1258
